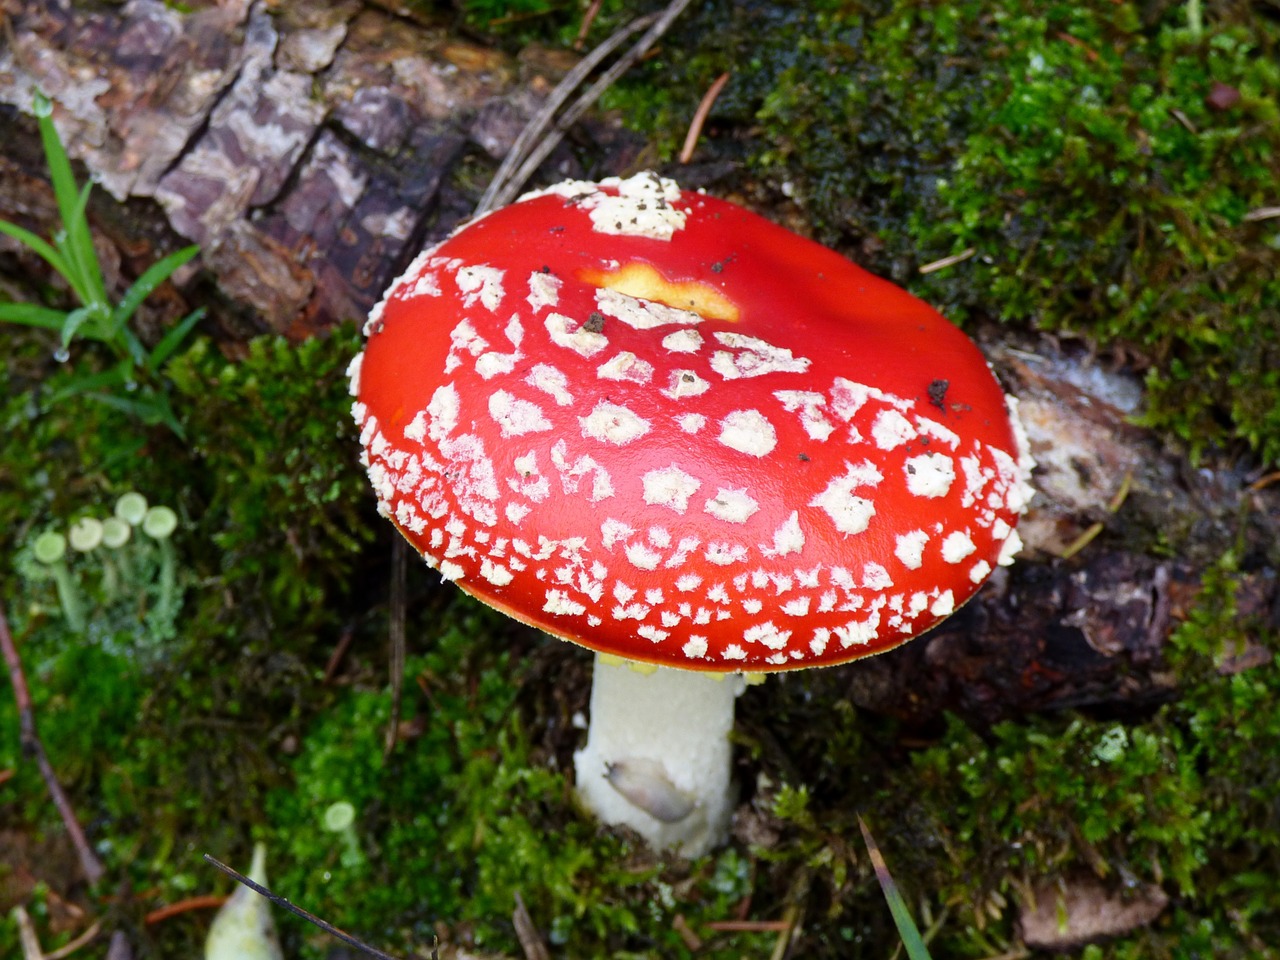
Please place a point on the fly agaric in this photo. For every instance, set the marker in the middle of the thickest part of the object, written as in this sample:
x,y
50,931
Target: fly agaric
x,y
655,424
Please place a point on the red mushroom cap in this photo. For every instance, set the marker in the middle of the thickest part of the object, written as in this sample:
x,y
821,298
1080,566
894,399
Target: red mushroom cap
x,y
658,425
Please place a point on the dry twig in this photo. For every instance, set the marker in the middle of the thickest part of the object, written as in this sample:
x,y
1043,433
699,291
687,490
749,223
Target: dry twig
x,y
536,141
339,651
700,117
205,902
297,911
501,189
588,19
27,935
527,933
32,747
72,946
1263,482
399,610
749,926
950,261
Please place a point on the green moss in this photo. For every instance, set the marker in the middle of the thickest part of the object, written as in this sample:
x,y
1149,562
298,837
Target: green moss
x,y
462,819
184,741
1187,799
274,493
1070,148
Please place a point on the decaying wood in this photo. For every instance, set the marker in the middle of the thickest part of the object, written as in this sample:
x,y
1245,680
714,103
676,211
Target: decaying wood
x,y
303,149
1089,631
1070,912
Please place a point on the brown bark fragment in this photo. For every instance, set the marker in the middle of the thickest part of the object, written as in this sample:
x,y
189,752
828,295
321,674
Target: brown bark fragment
x,y
1073,912
303,148
1089,631
260,270
312,33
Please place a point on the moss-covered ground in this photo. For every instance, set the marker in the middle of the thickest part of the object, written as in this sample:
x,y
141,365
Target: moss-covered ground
x,y
1109,169
1074,150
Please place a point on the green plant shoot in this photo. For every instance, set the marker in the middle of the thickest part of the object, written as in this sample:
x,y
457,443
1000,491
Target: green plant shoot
x,y
72,255
907,929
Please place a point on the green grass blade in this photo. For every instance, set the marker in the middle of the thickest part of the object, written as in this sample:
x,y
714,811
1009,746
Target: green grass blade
x,y
143,409
145,285
907,930
83,270
73,321
65,190
32,315
127,344
39,245
173,339
81,253
111,378
151,409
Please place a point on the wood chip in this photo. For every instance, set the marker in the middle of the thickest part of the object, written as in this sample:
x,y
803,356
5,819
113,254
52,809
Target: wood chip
x,y
1072,912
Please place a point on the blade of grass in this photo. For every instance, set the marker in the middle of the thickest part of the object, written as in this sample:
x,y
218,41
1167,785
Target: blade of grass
x,y
77,248
126,344
65,190
32,315
73,321
82,255
173,339
145,285
907,929
115,376
40,246
152,409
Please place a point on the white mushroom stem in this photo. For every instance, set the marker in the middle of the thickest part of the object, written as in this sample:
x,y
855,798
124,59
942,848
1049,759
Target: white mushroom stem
x,y
657,753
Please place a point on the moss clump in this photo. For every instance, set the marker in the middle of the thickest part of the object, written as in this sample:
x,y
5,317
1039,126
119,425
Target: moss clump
x,y
1187,799
1072,148
181,746
272,485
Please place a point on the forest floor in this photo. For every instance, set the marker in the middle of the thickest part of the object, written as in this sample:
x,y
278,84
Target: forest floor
x,y
1086,757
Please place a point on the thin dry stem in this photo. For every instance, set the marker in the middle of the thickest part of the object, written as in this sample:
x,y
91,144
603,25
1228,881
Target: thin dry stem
x,y
948,261
396,629
588,19
205,902
72,946
700,117
527,933
297,911
31,746
526,155
502,188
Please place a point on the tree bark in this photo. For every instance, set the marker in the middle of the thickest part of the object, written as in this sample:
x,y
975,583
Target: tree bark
x,y
304,149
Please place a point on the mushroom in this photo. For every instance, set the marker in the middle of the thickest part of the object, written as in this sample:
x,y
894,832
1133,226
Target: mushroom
x,y
655,424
